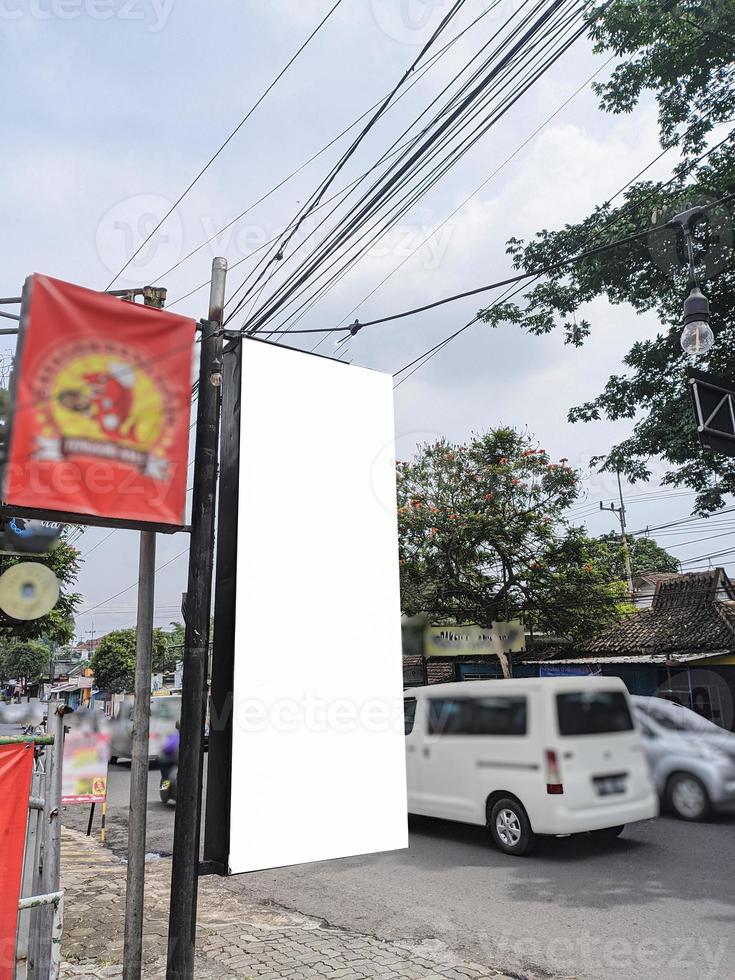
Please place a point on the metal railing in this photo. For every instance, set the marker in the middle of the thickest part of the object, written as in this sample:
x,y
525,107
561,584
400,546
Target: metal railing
x,y
41,906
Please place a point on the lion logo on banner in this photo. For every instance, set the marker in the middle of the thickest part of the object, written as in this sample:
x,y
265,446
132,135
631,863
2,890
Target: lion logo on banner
x,y
103,397
104,402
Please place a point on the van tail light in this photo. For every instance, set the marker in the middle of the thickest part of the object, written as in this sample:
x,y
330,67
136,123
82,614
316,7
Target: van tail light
x,y
554,785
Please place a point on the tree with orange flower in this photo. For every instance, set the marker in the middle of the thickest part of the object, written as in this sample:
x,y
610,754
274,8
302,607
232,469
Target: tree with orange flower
x,y
485,536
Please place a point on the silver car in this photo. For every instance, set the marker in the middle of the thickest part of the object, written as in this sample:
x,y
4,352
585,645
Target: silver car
x,y
692,761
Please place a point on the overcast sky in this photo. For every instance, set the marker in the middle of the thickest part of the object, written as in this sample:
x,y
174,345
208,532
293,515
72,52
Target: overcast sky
x,y
112,106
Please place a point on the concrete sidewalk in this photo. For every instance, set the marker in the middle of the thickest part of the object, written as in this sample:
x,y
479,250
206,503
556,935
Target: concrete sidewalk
x,y
236,938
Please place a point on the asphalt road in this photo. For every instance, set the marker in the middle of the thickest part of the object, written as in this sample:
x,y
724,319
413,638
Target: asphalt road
x,y
659,902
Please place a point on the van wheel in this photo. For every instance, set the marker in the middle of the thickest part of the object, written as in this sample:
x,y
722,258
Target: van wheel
x,y
510,828
686,797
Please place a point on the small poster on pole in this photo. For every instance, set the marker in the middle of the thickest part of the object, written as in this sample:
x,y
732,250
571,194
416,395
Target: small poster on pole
x,y
84,778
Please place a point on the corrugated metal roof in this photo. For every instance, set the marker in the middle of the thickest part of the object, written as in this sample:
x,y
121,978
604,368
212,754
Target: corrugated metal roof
x,y
643,658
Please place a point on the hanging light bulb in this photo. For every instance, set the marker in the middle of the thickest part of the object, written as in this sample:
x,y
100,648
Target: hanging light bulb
x,y
697,337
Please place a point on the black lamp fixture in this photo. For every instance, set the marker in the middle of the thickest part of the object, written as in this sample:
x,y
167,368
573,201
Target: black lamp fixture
x,y
697,337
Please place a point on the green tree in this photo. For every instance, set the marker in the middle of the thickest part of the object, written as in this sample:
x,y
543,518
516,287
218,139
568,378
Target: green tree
x,y
175,639
483,537
27,661
682,52
645,556
113,660
58,626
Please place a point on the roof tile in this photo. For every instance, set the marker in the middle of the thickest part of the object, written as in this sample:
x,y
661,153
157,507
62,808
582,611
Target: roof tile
x,y
686,617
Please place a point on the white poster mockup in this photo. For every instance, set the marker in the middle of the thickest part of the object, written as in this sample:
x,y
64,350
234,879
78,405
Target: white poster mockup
x,y
318,765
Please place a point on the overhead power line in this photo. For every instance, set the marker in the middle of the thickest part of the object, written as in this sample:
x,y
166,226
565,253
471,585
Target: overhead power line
x,y
474,292
419,188
533,273
84,612
408,200
685,520
316,198
435,147
232,135
416,79
469,197
422,359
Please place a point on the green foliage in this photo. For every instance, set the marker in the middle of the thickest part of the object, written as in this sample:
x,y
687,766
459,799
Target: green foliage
x,y
29,661
645,556
113,660
58,627
683,53
483,537
175,638
677,50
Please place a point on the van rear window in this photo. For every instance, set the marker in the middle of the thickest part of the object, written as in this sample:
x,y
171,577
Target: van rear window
x,y
593,713
477,716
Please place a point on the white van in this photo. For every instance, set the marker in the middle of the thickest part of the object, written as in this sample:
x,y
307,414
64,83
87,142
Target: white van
x,y
548,755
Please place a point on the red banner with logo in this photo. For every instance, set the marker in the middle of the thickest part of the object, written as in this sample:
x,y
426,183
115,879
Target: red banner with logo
x,y
101,413
16,767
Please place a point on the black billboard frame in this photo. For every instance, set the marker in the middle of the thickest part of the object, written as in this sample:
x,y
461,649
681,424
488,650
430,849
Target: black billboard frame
x,y
217,822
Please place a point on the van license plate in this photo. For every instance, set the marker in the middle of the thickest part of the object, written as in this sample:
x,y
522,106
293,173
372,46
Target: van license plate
x,y
609,785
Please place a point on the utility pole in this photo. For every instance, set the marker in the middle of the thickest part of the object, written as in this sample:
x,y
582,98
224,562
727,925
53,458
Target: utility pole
x,y
620,511
185,870
135,890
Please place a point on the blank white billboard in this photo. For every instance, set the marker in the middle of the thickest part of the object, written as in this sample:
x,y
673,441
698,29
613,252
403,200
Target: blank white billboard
x,y
318,765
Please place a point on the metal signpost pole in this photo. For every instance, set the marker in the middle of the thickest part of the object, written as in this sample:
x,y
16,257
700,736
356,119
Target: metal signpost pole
x,y
182,913
135,891
134,895
52,828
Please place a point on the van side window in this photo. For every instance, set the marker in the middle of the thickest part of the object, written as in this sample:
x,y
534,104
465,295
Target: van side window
x,y
593,713
499,716
478,716
409,714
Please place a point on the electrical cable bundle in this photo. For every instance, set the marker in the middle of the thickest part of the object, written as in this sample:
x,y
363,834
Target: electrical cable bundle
x,y
506,66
